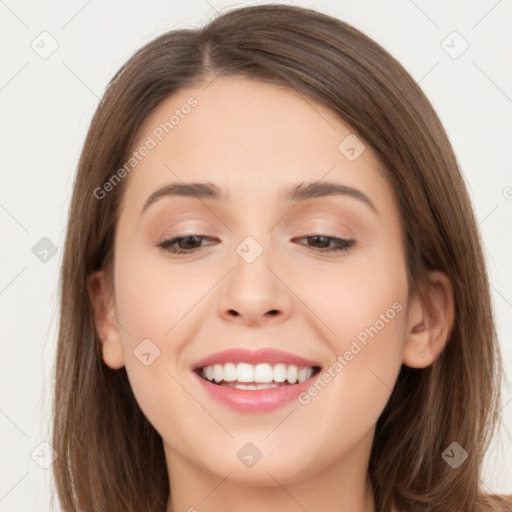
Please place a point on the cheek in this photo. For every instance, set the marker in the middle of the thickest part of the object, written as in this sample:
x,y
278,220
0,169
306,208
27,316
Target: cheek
x,y
364,310
158,307
355,301
154,303
152,297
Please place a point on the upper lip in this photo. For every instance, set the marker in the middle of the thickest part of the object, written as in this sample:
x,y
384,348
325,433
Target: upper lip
x,y
262,355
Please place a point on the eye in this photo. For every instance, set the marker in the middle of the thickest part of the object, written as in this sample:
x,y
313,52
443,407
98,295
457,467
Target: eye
x,y
323,242
184,244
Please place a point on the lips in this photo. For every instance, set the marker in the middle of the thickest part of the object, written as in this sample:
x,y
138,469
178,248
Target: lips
x,y
255,380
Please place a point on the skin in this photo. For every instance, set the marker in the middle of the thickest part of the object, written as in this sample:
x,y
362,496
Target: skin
x,y
252,139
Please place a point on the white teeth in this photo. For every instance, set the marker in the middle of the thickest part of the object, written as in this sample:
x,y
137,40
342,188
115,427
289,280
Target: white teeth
x,y
245,372
292,373
264,375
217,373
280,372
229,372
305,373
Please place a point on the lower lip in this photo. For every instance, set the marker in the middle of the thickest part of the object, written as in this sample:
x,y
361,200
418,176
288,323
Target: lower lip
x,y
257,400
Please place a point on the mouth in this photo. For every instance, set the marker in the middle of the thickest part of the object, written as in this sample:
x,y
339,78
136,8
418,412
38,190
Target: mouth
x,y
252,377
255,381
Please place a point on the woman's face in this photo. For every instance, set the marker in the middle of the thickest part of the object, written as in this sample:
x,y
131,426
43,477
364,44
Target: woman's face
x,y
255,279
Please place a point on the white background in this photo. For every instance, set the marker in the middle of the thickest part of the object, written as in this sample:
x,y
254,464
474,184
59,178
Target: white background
x,y
46,106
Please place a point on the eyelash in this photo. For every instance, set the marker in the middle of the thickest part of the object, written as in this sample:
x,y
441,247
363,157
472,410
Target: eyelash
x,y
344,244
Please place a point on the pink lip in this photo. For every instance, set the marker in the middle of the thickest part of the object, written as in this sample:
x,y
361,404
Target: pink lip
x,y
254,400
262,355
258,400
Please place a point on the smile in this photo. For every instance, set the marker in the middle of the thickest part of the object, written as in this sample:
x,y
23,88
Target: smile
x,y
254,381
261,376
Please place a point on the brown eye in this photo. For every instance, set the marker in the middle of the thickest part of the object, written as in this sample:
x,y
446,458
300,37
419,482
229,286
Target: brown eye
x,y
323,243
184,244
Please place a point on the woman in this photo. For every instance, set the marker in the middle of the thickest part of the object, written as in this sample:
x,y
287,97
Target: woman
x,y
273,290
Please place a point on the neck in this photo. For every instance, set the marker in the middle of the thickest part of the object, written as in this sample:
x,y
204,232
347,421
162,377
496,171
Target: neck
x,y
342,486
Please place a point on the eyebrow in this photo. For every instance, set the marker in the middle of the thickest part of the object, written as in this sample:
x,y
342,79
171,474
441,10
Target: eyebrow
x,y
299,192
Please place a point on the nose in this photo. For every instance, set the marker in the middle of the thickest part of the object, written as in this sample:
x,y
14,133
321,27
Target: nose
x,y
255,294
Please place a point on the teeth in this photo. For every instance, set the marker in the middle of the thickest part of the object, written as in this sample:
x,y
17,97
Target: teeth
x,y
280,372
218,374
229,372
259,376
302,374
292,374
245,372
263,373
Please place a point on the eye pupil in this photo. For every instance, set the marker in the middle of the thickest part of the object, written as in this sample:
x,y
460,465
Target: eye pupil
x,y
188,240
319,238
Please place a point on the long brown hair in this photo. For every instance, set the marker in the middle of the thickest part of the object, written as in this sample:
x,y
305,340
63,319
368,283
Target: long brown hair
x,y
110,456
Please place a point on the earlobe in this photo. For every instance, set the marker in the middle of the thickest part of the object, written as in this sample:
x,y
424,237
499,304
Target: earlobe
x,y
431,319
102,303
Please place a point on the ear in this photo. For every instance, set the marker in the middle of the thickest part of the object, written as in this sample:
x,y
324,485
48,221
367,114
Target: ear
x,y
100,290
431,319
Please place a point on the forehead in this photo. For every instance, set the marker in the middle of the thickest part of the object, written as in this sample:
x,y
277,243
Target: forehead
x,y
250,138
